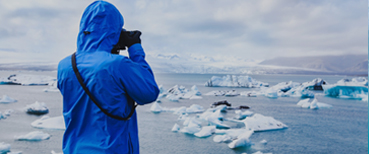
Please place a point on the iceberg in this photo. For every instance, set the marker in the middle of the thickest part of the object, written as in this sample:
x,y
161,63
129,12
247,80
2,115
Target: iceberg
x,y
228,135
156,108
4,148
53,87
206,131
234,81
232,93
6,99
313,105
176,128
258,122
316,84
37,108
173,98
33,136
250,93
242,140
194,108
27,80
216,93
222,138
242,115
346,91
195,90
46,122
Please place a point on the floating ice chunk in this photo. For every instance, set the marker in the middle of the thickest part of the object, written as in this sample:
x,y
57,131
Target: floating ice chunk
x,y
8,112
49,123
216,93
234,81
258,122
179,111
175,90
53,152
194,108
6,99
232,93
4,148
195,97
190,130
316,84
222,138
176,128
33,136
345,91
53,87
26,80
173,98
195,90
221,108
263,142
15,152
313,105
156,108
242,140
241,115
37,108
271,93
215,121
249,93
206,131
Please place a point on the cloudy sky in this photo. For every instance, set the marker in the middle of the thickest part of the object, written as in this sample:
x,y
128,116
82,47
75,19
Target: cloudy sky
x,y
46,31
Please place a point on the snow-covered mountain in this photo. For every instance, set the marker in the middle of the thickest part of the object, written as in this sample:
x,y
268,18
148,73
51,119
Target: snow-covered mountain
x,y
196,63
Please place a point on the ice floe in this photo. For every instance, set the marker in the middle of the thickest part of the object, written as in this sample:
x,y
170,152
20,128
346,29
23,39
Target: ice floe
x,y
6,99
206,131
6,113
4,147
53,87
243,114
176,128
37,108
49,123
33,136
234,81
313,104
316,84
242,140
27,80
258,122
216,93
232,93
357,88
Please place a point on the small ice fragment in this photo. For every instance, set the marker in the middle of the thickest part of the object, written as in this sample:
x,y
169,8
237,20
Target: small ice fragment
x,y
33,136
205,131
259,122
156,108
242,140
37,108
194,108
6,99
49,123
176,128
222,138
53,152
241,115
8,112
263,142
4,148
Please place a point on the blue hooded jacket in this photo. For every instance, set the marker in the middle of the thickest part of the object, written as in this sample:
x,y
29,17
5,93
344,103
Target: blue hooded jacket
x,y
115,81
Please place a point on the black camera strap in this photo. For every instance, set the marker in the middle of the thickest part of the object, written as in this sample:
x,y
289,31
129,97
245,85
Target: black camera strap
x,y
75,69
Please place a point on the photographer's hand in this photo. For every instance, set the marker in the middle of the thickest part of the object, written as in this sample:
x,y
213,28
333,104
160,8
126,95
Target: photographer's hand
x,y
131,38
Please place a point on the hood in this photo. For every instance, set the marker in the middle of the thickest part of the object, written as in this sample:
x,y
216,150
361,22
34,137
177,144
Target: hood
x,y
100,27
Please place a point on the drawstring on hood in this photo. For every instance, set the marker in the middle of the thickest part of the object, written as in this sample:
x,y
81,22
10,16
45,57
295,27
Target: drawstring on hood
x,y
100,27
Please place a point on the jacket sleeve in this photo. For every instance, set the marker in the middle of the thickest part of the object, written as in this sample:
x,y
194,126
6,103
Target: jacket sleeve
x,y
138,78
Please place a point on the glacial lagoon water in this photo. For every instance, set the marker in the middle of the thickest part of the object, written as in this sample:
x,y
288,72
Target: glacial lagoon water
x,y
341,129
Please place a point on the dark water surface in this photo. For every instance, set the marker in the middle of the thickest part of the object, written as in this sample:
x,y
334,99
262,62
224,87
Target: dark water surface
x,y
342,129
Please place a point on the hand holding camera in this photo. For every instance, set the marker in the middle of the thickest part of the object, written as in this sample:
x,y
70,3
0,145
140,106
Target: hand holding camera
x,y
126,39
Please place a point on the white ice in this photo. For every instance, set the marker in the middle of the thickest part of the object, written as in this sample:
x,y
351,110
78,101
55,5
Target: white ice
x,y
53,87
37,107
206,131
49,123
241,115
242,140
216,93
232,93
26,80
156,108
4,147
33,136
176,128
258,122
6,99
234,81
313,104
53,152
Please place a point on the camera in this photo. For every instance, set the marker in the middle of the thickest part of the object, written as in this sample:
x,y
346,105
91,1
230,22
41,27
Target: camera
x,y
121,45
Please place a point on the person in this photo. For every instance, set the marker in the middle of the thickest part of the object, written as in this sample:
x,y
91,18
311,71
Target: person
x,y
115,81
